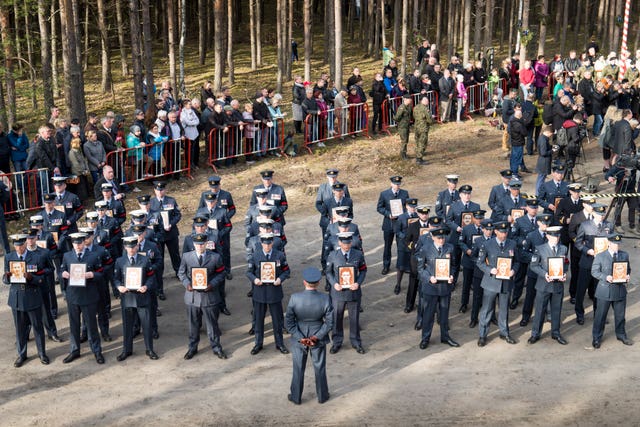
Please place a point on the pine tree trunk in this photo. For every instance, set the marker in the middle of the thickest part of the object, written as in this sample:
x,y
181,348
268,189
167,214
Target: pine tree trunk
x,y
307,40
54,53
403,41
106,81
330,46
9,54
28,12
3,107
383,27
202,35
230,18
85,57
451,23
565,23
467,30
372,26
147,43
438,36
543,26
18,44
477,35
74,82
338,43
288,40
576,27
615,41
45,55
171,37
512,14
488,24
123,51
525,26
503,22
279,50
136,54
610,25
559,7
252,33
218,15
259,33
397,17
183,36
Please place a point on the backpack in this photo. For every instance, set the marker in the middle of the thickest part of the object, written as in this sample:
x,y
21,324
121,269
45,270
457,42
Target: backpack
x,y
562,139
547,113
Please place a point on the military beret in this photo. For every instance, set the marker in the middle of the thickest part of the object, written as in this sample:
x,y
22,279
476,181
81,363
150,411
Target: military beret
x,y
479,213
144,199
467,189
266,174
501,226
311,275
406,96
396,179
199,239
615,237
129,241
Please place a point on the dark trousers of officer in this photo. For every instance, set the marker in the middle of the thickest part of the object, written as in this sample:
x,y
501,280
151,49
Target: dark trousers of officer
x,y
50,296
476,302
600,318
412,290
455,263
103,311
57,262
259,312
542,302
47,318
153,310
431,304
319,359
529,298
22,320
519,282
467,281
575,270
389,237
89,312
210,314
488,311
354,322
226,253
129,315
325,251
586,284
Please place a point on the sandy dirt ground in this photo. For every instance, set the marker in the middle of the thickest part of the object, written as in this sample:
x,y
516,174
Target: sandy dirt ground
x,y
394,383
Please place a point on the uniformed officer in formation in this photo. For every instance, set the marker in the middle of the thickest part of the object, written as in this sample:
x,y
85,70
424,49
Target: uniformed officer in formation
x,y
447,196
275,193
55,222
567,209
71,203
470,233
422,121
610,292
414,230
497,283
346,291
45,239
549,286
133,277
454,219
436,289
554,189
267,291
403,260
309,319
389,219
163,203
513,200
202,302
25,273
324,197
487,234
115,207
148,248
499,191
403,117
520,228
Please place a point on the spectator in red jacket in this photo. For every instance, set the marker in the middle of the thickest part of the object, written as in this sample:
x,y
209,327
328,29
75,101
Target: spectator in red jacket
x,y
527,76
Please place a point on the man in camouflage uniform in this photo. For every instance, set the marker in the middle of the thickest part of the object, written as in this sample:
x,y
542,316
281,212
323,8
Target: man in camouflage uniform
x,y
403,120
422,120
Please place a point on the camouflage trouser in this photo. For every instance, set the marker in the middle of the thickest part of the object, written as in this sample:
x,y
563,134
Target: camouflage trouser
x,y
404,138
422,140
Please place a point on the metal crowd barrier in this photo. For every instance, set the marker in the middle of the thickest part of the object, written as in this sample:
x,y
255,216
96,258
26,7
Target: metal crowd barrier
x,y
434,103
476,97
256,138
25,190
336,123
390,106
152,161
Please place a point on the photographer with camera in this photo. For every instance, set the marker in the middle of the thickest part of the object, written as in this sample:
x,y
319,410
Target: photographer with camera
x,y
576,131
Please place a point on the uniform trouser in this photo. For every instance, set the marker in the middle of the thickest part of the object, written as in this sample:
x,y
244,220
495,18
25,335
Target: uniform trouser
x,y
455,263
226,253
259,312
422,140
210,314
575,270
586,283
57,263
324,251
389,237
160,272
47,318
431,304
412,290
129,314
51,296
103,307
529,298
22,320
89,317
404,138
477,295
542,300
488,309
519,282
467,281
319,359
354,322
153,310
173,247
600,318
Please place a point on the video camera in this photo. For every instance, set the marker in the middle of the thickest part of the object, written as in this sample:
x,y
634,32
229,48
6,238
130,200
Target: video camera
x,y
629,161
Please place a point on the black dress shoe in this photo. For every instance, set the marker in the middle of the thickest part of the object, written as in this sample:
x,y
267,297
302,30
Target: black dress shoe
x,y
226,311
463,308
533,339
190,353
418,326
250,294
55,338
397,289
221,354
99,358
255,350
229,276
71,357
508,339
158,313
83,338
560,339
359,349
44,359
19,361
334,349
407,310
513,304
291,400
580,320
385,271
596,344
282,349
450,342
252,331
156,335
572,300
161,296
473,323
524,322
625,341
321,401
424,345
152,354
482,341
122,356
106,338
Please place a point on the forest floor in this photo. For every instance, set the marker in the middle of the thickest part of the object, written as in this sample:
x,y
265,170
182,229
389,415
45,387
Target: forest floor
x,y
395,383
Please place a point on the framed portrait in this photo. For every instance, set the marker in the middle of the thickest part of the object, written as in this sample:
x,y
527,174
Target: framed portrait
x,y
556,201
109,213
503,265
212,224
466,218
424,231
268,272
600,244
334,215
76,275
133,278
199,278
620,271
443,268
517,213
54,234
41,244
18,270
165,217
347,276
555,267
396,207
